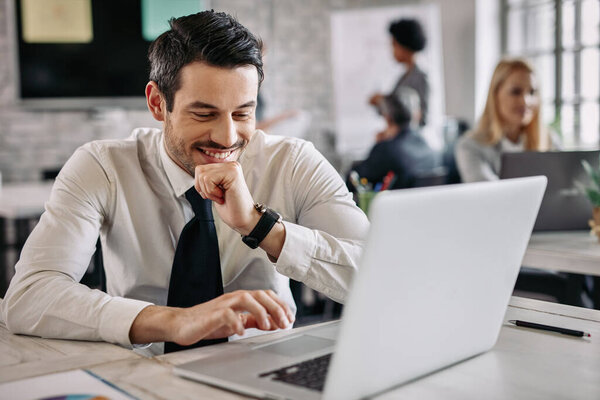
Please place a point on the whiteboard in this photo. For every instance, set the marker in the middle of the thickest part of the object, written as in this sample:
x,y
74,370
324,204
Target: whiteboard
x,y
363,64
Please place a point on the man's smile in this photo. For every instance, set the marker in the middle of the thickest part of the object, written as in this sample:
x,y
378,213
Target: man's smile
x,y
220,155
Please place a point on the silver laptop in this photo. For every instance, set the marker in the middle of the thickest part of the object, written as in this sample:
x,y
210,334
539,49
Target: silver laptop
x,y
434,282
564,206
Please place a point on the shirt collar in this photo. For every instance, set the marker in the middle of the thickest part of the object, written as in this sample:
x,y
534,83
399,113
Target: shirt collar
x,y
180,180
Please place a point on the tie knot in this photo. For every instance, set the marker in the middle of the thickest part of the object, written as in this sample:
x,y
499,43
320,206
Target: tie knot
x,y
202,207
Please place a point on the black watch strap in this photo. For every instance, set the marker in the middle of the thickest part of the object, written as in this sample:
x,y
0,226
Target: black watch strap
x,y
266,222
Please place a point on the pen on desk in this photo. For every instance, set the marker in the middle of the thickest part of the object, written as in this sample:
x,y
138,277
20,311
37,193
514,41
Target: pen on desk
x,y
564,331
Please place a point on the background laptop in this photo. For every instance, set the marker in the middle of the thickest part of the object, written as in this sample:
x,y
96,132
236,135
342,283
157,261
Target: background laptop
x,y
564,207
433,285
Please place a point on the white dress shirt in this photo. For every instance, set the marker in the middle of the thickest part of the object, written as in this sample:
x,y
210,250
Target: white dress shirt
x,y
132,194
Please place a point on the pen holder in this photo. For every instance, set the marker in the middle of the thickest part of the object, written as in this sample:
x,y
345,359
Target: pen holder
x,y
364,200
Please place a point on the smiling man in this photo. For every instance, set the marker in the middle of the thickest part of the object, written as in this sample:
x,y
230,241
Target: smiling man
x,y
202,223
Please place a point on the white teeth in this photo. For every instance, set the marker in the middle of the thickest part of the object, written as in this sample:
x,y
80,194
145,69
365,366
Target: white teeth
x,y
217,155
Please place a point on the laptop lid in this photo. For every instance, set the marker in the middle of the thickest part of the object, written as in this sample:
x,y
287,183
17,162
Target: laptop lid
x,y
564,207
435,279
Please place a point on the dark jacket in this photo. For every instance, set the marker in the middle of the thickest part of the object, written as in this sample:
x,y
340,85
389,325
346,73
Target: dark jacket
x,y
408,155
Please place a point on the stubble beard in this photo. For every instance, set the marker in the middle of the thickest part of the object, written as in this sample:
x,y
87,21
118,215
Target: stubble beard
x,y
176,148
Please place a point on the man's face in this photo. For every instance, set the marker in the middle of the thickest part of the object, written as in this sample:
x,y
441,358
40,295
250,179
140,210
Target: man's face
x,y
213,115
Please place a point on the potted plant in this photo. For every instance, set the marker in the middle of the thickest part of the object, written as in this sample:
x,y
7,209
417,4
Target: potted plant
x,y
593,193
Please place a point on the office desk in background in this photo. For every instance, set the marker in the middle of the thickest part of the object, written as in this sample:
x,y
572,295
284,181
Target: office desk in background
x,y
524,364
566,251
20,204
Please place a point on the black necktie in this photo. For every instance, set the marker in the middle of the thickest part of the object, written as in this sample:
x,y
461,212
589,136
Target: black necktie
x,y
196,273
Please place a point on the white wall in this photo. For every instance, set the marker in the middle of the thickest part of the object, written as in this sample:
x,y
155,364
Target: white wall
x,y
487,48
458,43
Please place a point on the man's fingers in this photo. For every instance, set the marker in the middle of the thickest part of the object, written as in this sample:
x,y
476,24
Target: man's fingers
x,y
277,311
227,322
208,189
283,304
265,305
245,301
251,322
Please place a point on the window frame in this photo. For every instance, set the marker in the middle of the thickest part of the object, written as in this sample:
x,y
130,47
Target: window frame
x,y
559,50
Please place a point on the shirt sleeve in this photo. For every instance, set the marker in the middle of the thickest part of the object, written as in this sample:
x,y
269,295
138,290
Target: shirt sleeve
x,y
472,163
322,248
45,297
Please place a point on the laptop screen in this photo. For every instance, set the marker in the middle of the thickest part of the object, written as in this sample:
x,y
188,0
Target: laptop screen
x,y
564,206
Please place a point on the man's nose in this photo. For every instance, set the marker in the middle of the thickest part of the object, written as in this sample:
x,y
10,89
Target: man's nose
x,y
225,133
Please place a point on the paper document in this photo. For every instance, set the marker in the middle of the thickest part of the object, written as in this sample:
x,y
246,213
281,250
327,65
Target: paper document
x,y
70,385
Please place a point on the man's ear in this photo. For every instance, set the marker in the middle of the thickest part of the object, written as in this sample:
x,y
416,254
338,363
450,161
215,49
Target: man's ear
x,y
155,101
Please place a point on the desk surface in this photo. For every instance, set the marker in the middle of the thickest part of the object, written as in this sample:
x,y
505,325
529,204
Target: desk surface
x,y
567,251
24,200
523,364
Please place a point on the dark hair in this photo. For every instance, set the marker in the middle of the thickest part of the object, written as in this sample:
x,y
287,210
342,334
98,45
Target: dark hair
x,y
409,33
401,105
212,37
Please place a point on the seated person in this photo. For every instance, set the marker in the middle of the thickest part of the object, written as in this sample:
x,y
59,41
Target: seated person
x,y
400,148
510,122
178,212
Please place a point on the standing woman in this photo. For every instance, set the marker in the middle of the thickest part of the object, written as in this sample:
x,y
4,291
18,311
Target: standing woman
x,y
510,123
408,38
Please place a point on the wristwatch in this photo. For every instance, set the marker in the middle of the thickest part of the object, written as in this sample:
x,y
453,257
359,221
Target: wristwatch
x,y
266,222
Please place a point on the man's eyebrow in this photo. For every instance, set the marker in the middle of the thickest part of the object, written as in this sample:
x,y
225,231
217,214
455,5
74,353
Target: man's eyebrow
x,y
201,104
251,103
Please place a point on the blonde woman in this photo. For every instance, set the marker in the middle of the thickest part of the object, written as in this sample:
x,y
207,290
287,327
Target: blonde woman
x,y
510,122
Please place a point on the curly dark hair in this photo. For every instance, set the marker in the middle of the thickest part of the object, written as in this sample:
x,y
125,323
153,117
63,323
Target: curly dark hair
x,y
215,38
409,33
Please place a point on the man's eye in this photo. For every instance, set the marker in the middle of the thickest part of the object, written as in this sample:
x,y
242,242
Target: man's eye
x,y
203,115
242,115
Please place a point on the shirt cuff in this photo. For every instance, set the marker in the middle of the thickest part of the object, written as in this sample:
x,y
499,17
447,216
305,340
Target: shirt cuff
x,y
117,317
298,251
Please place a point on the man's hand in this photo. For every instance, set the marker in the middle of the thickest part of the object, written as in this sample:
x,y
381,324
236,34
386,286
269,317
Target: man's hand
x,y
224,184
224,316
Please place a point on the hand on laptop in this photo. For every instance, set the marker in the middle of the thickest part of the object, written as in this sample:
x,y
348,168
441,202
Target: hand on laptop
x,y
224,316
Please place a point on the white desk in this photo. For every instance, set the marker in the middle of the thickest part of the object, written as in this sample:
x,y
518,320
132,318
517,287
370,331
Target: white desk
x,y
24,200
524,364
568,251
19,202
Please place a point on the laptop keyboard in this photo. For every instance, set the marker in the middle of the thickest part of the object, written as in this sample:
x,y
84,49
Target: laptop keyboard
x,y
309,374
